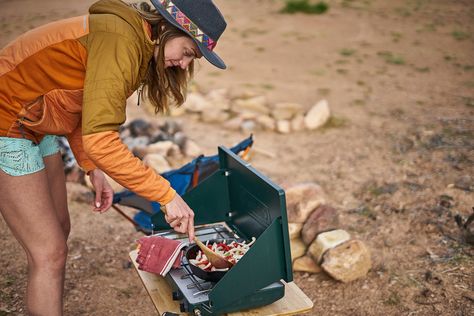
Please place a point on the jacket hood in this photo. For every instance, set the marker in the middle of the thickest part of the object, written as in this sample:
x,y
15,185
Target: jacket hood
x,y
120,9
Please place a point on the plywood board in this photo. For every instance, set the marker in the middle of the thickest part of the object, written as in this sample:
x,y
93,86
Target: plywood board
x,y
294,301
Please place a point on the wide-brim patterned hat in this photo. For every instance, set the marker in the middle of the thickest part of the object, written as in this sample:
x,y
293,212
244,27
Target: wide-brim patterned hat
x,y
200,19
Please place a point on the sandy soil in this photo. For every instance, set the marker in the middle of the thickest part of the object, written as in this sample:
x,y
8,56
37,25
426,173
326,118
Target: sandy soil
x,y
397,159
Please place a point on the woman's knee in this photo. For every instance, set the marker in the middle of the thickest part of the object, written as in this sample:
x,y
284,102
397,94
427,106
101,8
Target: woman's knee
x,y
53,257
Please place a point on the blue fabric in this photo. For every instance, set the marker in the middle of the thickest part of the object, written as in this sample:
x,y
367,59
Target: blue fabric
x,y
180,179
20,156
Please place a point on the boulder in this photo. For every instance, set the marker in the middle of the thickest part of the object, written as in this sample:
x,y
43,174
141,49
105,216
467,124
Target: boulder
x,y
234,123
177,111
248,115
283,126
214,116
266,122
256,104
157,162
140,151
294,230
192,149
301,200
180,139
140,141
171,127
323,219
348,261
326,241
306,264
139,127
318,115
75,174
219,99
248,126
286,110
298,248
297,123
195,102
162,148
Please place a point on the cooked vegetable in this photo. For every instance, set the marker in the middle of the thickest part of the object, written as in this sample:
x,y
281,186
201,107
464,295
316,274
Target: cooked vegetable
x,y
232,251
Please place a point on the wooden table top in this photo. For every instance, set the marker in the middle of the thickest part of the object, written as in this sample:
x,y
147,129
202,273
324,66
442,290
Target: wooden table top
x,y
294,301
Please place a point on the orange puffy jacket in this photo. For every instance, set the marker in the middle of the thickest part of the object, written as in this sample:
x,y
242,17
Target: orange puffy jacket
x,y
72,78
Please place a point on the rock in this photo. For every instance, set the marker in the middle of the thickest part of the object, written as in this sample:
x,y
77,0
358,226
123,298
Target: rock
x,y
323,219
75,174
297,123
256,104
195,102
162,148
171,127
248,126
301,200
140,141
306,264
266,122
248,115
124,133
192,149
246,94
294,230
298,248
465,183
175,152
159,136
177,111
318,115
286,111
180,139
234,123
326,241
140,151
157,162
219,99
139,127
214,116
348,261
283,126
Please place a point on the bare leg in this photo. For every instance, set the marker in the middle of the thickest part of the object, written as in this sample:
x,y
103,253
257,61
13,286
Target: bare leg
x,y
57,186
29,211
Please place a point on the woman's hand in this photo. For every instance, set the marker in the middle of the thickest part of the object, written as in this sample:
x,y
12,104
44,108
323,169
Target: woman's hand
x,y
103,191
180,216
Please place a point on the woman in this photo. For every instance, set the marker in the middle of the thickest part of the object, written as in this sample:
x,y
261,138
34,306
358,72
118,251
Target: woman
x,y
72,78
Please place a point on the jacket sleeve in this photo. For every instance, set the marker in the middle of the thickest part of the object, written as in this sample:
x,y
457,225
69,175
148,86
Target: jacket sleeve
x,y
112,70
75,141
112,156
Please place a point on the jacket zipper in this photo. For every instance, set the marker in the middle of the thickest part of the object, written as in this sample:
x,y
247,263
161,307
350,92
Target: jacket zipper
x,y
140,89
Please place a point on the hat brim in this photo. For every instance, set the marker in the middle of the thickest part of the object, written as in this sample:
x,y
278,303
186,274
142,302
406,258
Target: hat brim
x,y
212,57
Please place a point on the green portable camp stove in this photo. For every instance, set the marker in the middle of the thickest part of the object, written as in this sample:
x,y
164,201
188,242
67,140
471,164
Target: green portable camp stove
x,y
236,201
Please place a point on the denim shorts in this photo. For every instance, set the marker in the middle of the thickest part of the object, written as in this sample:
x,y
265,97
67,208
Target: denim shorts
x,y
20,156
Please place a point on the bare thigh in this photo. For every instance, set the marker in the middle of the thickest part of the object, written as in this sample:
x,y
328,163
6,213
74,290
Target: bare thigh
x,y
57,188
29,211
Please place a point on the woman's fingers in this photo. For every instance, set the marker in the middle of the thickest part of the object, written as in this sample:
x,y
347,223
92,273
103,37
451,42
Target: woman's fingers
x,y
190,227
173,221
180,216
103,191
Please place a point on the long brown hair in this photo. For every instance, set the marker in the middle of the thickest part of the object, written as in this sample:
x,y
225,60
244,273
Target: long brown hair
x,y
163,86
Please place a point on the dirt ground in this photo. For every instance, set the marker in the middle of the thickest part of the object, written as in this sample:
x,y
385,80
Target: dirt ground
x,y
397,159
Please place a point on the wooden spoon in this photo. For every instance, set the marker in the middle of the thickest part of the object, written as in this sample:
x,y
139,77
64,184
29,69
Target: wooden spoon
x,y
216,260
